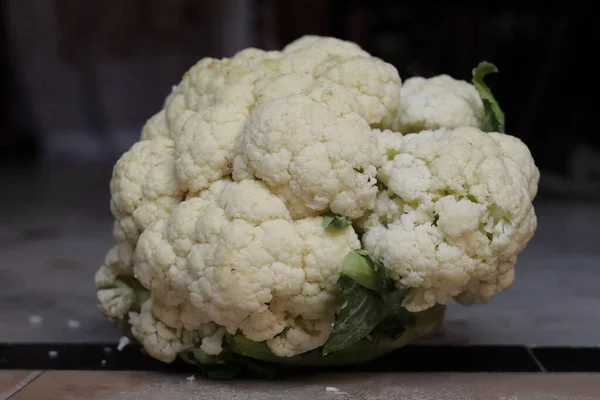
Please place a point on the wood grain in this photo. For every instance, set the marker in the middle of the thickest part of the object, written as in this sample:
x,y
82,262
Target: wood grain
x,y
100,385
13,381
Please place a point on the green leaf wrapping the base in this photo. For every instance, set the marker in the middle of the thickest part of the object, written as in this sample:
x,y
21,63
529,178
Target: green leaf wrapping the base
x,y
368,297
361,311
493,120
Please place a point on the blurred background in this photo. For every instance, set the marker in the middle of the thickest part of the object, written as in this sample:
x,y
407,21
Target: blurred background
x,y
80,78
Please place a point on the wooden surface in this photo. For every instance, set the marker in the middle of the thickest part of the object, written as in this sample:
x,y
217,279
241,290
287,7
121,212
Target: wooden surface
x,y
11,382
100,385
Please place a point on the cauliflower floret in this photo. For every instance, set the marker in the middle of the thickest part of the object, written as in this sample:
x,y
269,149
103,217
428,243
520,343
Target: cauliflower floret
x,y
514,149
301,336
309,312
334,47
197,90
387,205
155,127
460,213
313,157
143,190
438,102
235,258
205,146
143,187
209,82
374,83
160,341
390,143
333,96
281,85
116,292
160,258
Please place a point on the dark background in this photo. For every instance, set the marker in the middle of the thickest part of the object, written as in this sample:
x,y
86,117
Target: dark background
x,y
79,78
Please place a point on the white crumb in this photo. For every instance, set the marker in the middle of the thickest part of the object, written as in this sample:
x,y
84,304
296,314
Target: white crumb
x,y
191,378
73,324
53,354
108,350
331,389
35,320
103,362
124,341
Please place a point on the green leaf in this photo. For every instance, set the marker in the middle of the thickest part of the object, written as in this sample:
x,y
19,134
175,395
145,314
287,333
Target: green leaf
x,y
369,297
493,120
361,311
139,293
390,327
358,266
334,221
386,287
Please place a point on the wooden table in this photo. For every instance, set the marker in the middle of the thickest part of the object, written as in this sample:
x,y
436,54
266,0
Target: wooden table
x,y
122,385
418,372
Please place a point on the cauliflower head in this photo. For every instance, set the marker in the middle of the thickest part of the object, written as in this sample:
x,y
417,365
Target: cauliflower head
x,y
307,207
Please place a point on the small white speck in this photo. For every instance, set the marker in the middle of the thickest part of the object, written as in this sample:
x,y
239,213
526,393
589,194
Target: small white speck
x,y
103,362
53,354
331,389
73,324
108,350
35,320
124,341
191,378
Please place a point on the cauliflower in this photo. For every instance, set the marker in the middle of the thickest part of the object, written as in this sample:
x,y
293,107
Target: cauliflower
x,y
272,212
